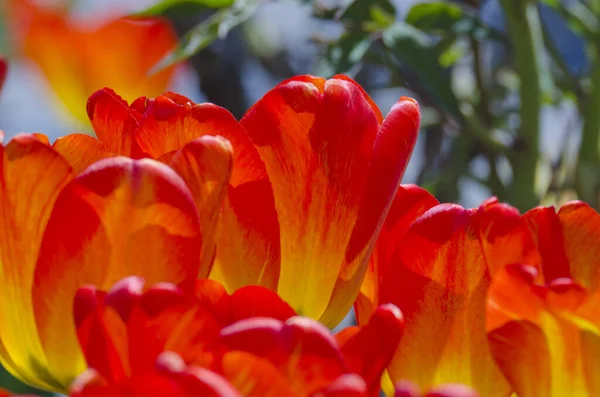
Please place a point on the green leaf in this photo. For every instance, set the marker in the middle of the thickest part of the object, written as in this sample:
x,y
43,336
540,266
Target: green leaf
x,y
171,7
372,15
417,55
343,55
443,18
217,26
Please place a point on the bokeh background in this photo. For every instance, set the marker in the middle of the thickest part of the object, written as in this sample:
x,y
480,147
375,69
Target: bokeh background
x,y
509,89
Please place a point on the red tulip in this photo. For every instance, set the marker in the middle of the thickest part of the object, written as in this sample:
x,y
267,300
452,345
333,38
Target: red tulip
x,y
315,167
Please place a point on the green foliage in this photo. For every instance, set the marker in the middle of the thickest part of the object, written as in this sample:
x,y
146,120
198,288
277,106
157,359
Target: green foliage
x,y
217,26
176,7
412,49
424,51
447,18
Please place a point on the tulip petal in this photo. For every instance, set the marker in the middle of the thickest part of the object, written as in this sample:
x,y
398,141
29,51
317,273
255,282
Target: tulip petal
x,y
540,338
439,279
205,166
318,176
370,350
581,231
409,203
171,121
568,242
114,122
391,152
302,349
255,376
121,217
32,176
349,385
81,150
248,234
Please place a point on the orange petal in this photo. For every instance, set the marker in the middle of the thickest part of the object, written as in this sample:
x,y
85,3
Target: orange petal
x,y
248,231
538,336
121,217
409,203
81,150
33,175
78,60
256,377
114,122
205,166
581,233
438,278
171,121
319,176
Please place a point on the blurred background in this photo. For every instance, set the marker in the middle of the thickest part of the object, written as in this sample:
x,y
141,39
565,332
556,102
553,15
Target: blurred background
x,y
509,89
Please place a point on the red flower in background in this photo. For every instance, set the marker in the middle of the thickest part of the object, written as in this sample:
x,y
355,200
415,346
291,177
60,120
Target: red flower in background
x,y
251,339
315,166
78,57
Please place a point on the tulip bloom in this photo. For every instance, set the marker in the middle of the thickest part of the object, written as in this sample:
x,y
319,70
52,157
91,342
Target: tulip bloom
x,y
315,167
251,339
435,262
61,230
544,324
78,60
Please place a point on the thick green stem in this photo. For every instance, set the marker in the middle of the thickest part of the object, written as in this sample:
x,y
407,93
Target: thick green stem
x,y
526,36
588,175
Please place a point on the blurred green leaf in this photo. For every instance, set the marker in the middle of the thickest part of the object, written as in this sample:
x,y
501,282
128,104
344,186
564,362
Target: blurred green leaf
x,y
343,55
171,7
415,51
442,18
370,15
203,34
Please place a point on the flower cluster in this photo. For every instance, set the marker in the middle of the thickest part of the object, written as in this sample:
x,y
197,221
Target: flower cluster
x,y
185,253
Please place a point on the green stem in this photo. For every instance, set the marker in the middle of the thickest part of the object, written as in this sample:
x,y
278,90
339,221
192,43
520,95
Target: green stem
x,y
526,36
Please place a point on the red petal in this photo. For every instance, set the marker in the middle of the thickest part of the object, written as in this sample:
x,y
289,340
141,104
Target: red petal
x,y
113,121
581,232
316,174
409,203
369,352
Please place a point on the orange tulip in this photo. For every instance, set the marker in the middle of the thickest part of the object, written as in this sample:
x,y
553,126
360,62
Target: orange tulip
x,y
314,170
435,262
60,230
544,324
78,60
